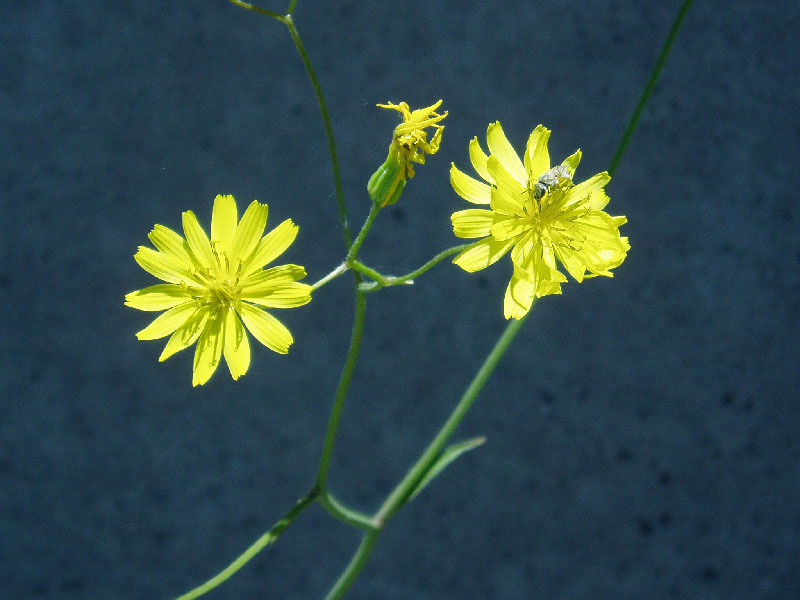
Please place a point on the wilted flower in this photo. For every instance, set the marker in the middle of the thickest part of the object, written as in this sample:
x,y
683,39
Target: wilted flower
x,y
409,145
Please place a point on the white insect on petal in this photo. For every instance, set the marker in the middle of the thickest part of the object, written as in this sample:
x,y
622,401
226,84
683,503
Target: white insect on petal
x,y
556,176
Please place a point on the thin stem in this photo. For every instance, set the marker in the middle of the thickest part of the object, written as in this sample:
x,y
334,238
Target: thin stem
x,y
262,11
353,569
356,246
268,538
345,514
323,107
330,276
403,490
341,390
326,119
428,265
651,84
381,281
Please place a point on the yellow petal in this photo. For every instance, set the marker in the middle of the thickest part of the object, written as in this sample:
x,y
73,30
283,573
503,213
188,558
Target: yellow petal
x,y
169,242
164,266
286,295
537,157
518,299
590,192
572,262
572,161
269,279
481,254
168,322
237,346
500,147
271,246
473,222
224,217
509,228
157,297
198,240
249,230
468,188
508,203
186,334
265,328
504,179
478,158
209,349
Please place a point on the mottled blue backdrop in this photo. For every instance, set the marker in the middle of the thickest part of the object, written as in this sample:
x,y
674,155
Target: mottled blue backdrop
x,y
643,430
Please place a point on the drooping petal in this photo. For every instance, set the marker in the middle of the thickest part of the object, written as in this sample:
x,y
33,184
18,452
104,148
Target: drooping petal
x,y
186,334
500,147
286,295
519,298
271,246
163,266
468,188
237,346
265,328
166,323
209,348
249,231
224,217
572,262
537,157
198,240
157,297
478,159
473,222
481,254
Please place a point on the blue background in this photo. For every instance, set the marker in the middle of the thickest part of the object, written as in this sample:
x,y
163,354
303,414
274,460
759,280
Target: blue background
x,y
643,430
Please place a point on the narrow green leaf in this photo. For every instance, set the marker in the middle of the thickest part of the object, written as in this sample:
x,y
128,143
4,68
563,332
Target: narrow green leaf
x,y
447,456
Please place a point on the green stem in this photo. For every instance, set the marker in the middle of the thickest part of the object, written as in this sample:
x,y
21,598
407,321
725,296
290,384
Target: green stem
x,y
262,11
323,107
341,390
268,538
353,569
651,84
403,490
326,119
381,281
330,276
356,246
345,514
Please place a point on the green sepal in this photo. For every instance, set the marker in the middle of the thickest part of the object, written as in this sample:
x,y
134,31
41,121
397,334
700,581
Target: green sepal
x,y
387,183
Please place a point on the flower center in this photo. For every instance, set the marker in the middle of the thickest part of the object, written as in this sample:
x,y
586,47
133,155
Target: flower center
x,y
220,286
222,291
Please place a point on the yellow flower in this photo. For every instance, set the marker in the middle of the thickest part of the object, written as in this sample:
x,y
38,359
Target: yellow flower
x,y
213,285
537,213
409,145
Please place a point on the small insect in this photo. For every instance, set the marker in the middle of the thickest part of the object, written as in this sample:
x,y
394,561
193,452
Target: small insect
x,y
554,177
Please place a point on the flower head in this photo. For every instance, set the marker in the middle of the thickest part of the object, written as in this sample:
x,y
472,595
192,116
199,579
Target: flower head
x,y
537,213
215,284
409,145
